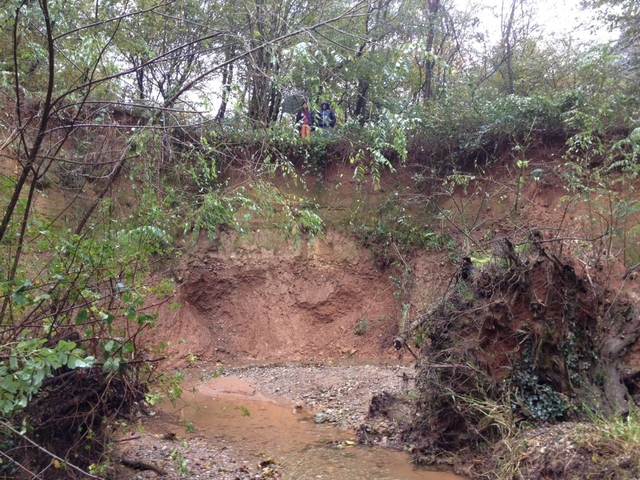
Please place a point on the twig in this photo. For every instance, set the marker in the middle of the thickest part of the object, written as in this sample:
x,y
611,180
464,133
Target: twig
x,y
586,272
126,439
447,365
134,362
395,246
630,269
406,345
371,302
561,239
9,427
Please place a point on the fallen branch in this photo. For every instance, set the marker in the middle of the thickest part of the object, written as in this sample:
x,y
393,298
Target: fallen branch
x,y
32,475
138,465
126,439
630,270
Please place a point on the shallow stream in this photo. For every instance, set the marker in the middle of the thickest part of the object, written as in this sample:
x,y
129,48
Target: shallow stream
x,y
267,428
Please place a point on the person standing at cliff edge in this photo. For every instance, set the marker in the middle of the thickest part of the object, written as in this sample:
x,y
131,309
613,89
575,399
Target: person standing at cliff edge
x,y
305,120
326,116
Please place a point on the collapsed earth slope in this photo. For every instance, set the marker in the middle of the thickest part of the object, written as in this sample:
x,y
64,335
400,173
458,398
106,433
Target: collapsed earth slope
x,y
322,300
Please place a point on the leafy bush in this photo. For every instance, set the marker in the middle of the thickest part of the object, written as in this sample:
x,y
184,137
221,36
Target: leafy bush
x,y
375,145
536,399
306,222
30,362
395,230
361,327
220,210
455,131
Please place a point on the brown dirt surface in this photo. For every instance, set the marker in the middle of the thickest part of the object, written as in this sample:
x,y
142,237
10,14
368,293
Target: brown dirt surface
x,y
246,302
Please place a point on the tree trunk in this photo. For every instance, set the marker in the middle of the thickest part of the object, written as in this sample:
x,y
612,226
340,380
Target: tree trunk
x,y
227,78
507,39
33,152
429,64
361,105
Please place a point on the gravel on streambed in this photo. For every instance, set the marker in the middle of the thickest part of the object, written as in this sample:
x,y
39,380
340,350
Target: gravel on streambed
x,y
342,392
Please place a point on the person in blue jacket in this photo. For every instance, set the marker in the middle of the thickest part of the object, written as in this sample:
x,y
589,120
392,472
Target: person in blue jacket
x,y
326,116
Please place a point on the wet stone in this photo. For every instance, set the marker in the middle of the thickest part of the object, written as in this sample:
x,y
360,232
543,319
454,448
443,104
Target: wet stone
x,y
320,417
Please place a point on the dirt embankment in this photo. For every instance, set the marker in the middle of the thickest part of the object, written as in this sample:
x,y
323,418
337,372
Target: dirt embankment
x,y
286,314
267,301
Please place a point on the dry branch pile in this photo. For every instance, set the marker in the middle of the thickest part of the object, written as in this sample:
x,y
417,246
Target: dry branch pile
x,y
68,423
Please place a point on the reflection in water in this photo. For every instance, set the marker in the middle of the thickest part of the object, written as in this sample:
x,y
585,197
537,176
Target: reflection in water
x,y
305,450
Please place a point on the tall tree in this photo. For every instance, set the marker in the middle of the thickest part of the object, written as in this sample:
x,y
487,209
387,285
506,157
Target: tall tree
x,y
516,23
180,36
266,21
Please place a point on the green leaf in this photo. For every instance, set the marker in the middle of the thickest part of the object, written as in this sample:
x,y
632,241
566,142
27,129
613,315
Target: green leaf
x,y
36,380
65,346
77,362
24,286
82,316
9,384
19,298
73,362
112,364
244,410
63,358
22,401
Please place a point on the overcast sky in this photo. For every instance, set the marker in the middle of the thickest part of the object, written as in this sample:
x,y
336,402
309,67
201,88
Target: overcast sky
x,y
555,17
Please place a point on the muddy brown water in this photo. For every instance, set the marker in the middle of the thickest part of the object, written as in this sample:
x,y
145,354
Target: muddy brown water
x,y
229,408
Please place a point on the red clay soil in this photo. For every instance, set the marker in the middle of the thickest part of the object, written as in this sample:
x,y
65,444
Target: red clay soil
x,y
243,303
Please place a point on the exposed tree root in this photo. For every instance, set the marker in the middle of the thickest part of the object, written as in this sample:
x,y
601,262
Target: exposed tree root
x,y
525,338
68,422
